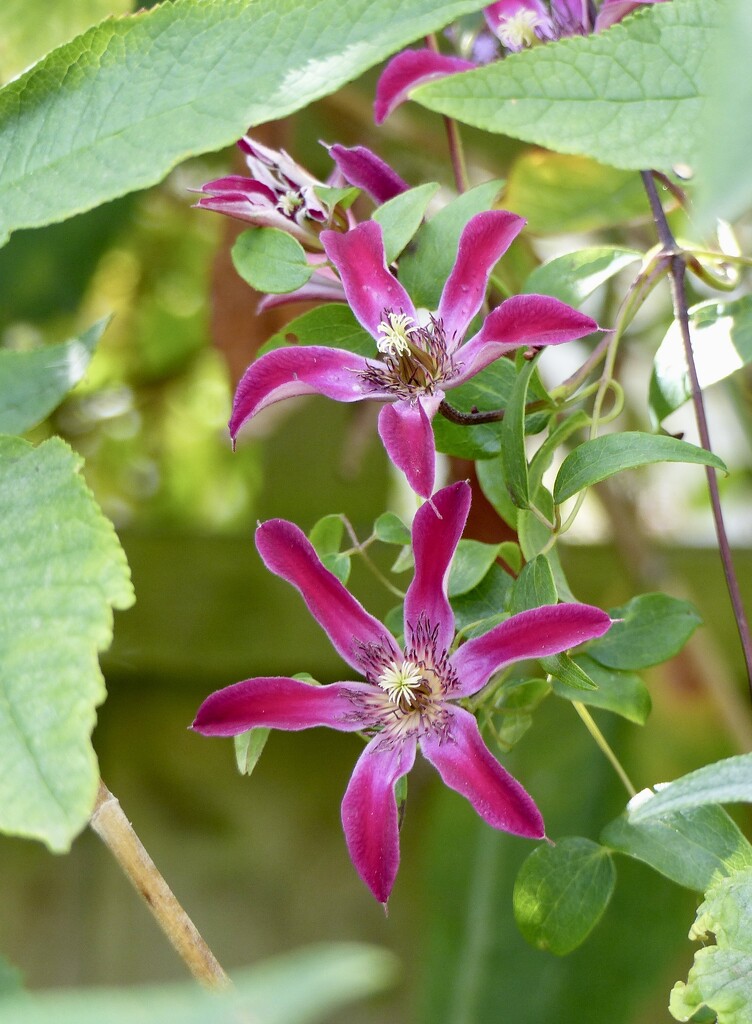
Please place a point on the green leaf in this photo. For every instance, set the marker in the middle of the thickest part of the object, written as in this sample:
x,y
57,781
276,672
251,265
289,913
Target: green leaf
x,y
534,536
471,562
484,606
31,28
623,693
561,893
342,197
561,432
533,587
569,674
62,573
326,534
428,263
693,848
721,334
337,563
34,383
728,781
719,980
249,746
604,456
494,486
306,986
558,193
401,217
333,324
10,980
648,629
630,97
510,553
390,529
513,439
270,260
116,109
573,277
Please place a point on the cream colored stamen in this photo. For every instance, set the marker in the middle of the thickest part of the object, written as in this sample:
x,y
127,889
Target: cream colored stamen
x,y
401,683
395,338
519,30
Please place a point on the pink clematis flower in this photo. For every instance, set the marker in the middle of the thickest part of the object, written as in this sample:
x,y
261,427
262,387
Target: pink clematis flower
x,y
418,360
409,696
513,25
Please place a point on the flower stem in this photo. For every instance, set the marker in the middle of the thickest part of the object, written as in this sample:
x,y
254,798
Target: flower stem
x,y
677,271
116,832
602,742
454,139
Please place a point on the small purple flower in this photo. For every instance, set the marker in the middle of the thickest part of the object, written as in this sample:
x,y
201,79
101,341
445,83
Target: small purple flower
x,y
409,696
513,25
418,359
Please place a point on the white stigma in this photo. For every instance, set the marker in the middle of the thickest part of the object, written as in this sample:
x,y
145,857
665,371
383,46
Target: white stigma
x,y
518,31
401,682
289,203
395,339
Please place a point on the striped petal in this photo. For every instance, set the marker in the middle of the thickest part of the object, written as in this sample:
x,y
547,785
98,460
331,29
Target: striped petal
x,y
408,70
289,554
465,764
369,813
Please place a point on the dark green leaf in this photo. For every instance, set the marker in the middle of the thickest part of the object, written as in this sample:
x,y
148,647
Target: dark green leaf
x,y
543,458
728,781
428,262
117,108
631,97
471,562
621,692
561,893
494,486
719,980
721,335
693,848
484,607
390,529
567,673
326,534
533,587
401,217
649,629
534,536
510,553
573,277
62,573
270,260
513,439
333,325
248,748
600,458
34,383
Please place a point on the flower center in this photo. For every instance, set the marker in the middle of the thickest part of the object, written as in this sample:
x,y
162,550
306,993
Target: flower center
x,y
289,202
415,358
518,31
404,684
395,330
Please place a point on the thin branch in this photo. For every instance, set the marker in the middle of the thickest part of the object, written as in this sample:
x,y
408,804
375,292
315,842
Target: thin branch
x,y
471,419
454,139
116,832
677,270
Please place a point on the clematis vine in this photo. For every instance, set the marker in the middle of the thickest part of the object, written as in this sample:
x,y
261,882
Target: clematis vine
x,y
410,695
416,360
511,26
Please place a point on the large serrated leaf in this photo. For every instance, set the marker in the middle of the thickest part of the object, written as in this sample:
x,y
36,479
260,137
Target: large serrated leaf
x,y
117,108
720,980
630,97
63,571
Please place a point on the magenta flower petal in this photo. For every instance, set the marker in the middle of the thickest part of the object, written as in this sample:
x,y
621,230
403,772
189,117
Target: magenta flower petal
x,y
513,21
405,429
529,320
277,702
407,70
464,763
614,10
359,257
318,289
369,813
484,240
305,370
437,529
288,553
362,168
532,634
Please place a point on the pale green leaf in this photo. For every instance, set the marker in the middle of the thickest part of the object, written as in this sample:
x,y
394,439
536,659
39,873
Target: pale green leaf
x,y
513,454
401,216
62,573
471,562
306,986
390,529
270,260
604,456
567,673
117,108
720,980
573,277
34,383
326,534
561,893
631,97
249,746
721,334
728,781
647,630
693,848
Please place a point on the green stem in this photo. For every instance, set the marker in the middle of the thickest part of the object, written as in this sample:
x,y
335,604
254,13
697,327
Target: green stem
x,y
360,549
602,742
